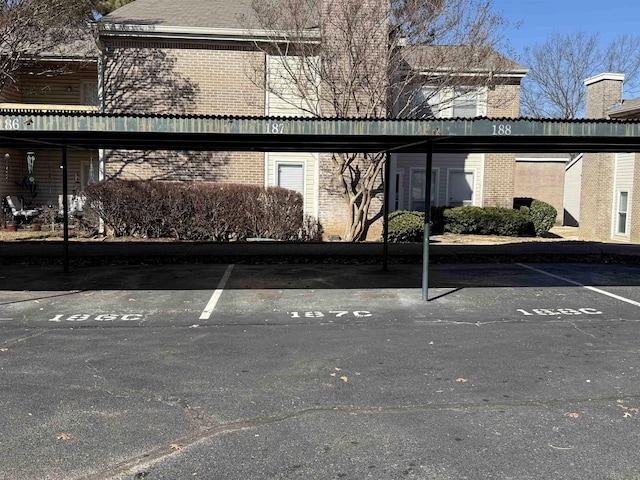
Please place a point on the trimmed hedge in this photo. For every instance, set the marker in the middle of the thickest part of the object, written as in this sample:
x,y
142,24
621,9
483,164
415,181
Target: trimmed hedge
x,y
533,217
543,217
200,211
406,226
485,221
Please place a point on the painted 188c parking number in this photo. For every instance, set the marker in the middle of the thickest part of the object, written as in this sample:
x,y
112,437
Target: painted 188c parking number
x,y
560,311
331,314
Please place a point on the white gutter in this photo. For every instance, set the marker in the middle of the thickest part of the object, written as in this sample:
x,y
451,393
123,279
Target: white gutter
x,y
195,33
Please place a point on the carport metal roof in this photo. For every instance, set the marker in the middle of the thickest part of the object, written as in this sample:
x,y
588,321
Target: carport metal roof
x,y
31,129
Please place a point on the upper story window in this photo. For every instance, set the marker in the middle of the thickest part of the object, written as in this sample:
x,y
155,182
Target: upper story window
x,y
426,103
462,102
89,93
465,102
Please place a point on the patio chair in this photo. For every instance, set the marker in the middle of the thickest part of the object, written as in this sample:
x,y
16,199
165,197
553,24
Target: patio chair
x,y
19,213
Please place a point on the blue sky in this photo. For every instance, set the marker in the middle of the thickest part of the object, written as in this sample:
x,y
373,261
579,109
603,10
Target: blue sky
x,y
540,18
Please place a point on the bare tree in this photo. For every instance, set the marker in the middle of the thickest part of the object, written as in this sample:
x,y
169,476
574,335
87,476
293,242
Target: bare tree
x,y
32,29
368,59
554,86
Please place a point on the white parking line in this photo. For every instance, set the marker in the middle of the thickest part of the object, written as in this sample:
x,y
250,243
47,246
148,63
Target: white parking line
x,y
593,289
208,310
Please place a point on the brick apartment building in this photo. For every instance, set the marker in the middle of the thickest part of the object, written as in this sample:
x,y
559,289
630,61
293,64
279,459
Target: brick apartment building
x,y
63,78
610,182
199,57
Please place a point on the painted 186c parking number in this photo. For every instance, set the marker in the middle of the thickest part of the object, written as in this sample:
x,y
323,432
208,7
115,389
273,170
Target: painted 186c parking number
x,y
103,317
331,314
560,311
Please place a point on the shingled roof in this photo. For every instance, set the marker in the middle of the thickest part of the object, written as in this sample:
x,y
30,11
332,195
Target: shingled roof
x,y
183,13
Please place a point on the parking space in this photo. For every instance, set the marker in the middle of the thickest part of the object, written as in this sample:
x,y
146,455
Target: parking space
x,y
319,371
211,294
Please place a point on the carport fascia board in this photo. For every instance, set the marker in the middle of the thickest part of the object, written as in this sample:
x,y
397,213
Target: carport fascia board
x,y
28,129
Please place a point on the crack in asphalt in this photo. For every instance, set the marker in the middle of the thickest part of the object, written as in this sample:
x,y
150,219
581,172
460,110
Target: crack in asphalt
x,y
15,341
136,464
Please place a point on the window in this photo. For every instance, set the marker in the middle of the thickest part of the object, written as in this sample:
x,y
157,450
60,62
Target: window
x,y
465,103
399,190
89,93
623,200
291,176
461,187
418,187
425,103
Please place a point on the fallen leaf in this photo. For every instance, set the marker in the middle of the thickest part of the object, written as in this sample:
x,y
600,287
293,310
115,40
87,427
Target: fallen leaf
x,y
634,410
626,415
345,379
4,349
175,446
561,448
572,415
337,369
132,299
623,407
195,325
461,380
64,436
332,374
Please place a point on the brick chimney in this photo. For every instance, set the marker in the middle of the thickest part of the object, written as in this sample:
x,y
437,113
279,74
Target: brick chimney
x,y
603,91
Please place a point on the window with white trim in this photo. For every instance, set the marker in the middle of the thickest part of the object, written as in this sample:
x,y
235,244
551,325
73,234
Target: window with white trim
x,y
425,103
291,176
465,102
623,207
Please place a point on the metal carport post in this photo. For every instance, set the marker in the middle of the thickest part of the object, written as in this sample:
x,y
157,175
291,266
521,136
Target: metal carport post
x,y
427,226
65,211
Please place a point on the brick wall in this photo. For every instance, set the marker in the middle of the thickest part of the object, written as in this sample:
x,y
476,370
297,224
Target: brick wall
x,y
499,175
596,196
543,181
503,101
603,91
180,78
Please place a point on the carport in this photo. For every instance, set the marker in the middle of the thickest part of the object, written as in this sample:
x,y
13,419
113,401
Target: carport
x,y
26,129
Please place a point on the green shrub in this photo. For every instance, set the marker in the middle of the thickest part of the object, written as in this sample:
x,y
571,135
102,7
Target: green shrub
x,y
485,221
462,220
542,216
406,226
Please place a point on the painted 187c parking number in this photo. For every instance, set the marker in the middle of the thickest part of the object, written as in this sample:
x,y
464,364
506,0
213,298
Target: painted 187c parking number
x,y
331,313
560,311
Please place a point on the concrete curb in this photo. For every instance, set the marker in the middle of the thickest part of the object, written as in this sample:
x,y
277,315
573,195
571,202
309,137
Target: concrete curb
x,y
312,251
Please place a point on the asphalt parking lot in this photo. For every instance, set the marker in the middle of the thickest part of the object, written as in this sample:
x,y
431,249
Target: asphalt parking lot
x,y
235,371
